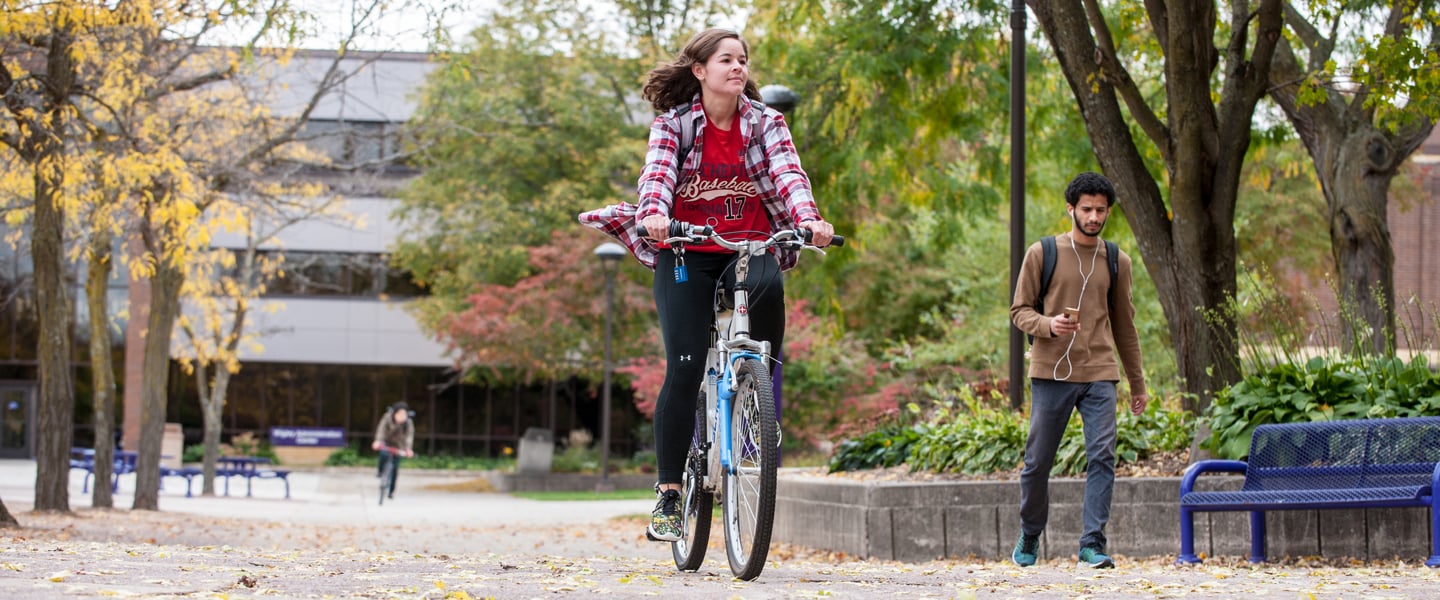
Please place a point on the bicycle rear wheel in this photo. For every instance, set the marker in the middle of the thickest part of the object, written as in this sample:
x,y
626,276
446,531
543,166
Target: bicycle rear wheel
x,y
749,496
696,503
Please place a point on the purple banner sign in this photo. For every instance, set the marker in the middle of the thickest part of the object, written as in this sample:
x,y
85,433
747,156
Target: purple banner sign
x,y
307,436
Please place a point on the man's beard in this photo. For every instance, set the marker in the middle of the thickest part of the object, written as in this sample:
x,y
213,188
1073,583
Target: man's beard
x,y
1082,229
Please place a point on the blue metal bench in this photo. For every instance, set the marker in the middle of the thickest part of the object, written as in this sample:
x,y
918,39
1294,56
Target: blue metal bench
x,y
1370,463
84,460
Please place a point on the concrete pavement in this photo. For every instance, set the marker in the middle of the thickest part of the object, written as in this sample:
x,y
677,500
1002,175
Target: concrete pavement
x,y
336,496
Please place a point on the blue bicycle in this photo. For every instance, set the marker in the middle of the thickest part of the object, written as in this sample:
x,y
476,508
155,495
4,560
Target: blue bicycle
x,y
736,447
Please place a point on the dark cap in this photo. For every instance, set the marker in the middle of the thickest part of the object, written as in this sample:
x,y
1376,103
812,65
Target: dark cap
x,y
400,406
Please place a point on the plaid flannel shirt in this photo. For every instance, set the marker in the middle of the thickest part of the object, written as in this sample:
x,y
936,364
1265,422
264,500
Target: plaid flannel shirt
x,y
771,162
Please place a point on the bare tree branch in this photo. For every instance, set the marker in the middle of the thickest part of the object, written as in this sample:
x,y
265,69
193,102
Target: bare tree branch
x,y
1119,76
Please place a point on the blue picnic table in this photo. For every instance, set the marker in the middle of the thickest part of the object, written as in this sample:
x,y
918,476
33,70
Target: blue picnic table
x,y
84,459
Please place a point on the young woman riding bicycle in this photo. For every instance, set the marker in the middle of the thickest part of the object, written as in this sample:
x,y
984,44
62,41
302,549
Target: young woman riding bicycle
x,y
740,175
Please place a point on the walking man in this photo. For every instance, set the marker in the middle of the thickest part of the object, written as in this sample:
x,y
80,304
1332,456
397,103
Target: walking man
x,y
1080,319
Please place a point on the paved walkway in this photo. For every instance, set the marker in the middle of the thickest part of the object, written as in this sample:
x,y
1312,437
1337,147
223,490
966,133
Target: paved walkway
x,y
332,540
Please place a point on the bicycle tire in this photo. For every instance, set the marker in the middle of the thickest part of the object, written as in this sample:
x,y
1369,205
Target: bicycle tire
x,y
697,504
749,491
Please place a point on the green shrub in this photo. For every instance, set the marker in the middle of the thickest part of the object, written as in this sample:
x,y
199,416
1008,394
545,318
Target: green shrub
x,y
963,434
193,454
974,440
349,456
1158,429
1321,389
887,446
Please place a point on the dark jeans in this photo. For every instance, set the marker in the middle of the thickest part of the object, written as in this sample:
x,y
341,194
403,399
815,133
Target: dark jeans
x,y
387,456
686,312
1051,403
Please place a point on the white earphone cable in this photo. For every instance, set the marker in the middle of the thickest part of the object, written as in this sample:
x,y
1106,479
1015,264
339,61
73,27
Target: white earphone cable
x,y
1084,283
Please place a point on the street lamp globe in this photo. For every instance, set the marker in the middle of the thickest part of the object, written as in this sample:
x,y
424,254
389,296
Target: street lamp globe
x,y
609,253
779,97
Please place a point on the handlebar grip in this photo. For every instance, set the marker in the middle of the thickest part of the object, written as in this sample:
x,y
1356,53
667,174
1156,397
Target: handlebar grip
x,y
836,241
679,229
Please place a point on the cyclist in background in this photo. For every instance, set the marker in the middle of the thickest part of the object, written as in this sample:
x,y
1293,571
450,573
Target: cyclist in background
x,y
394,431
717,157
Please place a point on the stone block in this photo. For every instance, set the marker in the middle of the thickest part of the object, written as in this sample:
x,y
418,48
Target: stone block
x,y
1229,533
1342,533
1150,529
918,533
1398,533
971,531
1131,490
1292,533
879,534
828,525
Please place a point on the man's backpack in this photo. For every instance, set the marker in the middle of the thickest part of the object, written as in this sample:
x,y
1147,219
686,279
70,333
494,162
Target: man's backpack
x,y
1047,271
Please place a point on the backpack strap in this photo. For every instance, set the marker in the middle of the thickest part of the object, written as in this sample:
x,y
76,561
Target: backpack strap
x,y
1047,270
1112,256
687,139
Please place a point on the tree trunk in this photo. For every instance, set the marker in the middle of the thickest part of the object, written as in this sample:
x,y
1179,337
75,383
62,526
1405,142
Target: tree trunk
x,y
164,308
97,284
57,394
7,520
1360,241
212,429
1355,160
1187,240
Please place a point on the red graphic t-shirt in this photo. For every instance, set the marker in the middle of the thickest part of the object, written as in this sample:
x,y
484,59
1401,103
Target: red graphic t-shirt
x,y
721,193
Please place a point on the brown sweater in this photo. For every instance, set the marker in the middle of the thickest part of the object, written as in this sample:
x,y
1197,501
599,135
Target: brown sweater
x,y
1102,333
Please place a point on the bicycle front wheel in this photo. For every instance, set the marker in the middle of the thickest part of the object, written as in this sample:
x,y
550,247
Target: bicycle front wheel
x,y
697,504
749,496
387,473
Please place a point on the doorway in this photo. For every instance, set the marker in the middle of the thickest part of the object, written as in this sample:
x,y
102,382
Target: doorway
x,y
17,420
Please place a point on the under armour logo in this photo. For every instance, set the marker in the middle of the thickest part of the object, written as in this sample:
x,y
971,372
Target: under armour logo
x,y
685,357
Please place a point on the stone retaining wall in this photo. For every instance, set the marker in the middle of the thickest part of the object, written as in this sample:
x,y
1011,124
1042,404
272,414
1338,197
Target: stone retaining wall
x,y
566,482
916,522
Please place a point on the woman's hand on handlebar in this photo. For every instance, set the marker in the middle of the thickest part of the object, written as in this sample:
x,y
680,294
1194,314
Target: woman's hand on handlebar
x,y
820,231
657,227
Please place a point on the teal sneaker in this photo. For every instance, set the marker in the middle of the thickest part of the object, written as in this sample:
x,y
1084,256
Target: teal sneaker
x,y
1095,558
665,521
1026,550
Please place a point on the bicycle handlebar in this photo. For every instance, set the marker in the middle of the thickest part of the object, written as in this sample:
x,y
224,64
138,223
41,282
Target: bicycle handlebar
x,y
681,231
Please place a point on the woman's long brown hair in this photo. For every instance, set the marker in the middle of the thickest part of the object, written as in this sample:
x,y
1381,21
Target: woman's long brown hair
x,y
672,84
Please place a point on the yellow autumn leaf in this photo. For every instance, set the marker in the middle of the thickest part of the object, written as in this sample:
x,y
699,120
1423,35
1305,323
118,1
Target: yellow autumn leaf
x,y
458,595
440,584
60,576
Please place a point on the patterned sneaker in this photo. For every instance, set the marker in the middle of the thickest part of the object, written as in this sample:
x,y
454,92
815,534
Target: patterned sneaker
x,y
1094,558
665,521
1026,550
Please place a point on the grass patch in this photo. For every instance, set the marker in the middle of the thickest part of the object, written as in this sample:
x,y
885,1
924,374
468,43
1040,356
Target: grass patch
x,y
636,494
478,485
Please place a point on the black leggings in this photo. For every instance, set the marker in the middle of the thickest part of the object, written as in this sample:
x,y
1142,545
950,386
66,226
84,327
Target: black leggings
x,y
686,312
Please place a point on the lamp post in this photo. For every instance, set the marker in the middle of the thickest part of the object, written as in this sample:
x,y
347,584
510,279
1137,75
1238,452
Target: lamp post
x,y
609,254
1017,192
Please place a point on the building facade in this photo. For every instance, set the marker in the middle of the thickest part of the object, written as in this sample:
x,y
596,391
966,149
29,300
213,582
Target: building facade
x,y
339,345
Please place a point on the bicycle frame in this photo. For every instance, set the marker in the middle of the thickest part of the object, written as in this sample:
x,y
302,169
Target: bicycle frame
x,y
713,469
731,344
